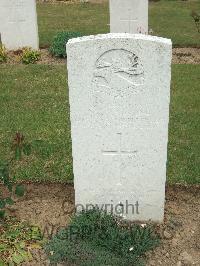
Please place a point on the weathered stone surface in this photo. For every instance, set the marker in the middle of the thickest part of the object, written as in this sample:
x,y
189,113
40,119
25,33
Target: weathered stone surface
x,y
18,24
119,87
129,16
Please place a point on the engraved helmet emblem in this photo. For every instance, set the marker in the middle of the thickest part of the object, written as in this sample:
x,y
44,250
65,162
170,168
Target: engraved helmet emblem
x,y
118,69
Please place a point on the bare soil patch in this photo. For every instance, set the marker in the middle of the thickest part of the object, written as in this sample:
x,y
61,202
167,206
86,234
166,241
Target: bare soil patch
x,y
98,1
73,1
51,205
180,56
181,229
186,56
14,57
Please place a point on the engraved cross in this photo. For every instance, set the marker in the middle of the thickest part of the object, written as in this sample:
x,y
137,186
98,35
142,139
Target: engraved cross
x,y
129,19
119,152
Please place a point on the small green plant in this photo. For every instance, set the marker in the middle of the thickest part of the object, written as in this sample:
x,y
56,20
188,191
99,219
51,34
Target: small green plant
x,y
11,189
17,240
29,56
20,146
95,236
58,46
196,18
3,53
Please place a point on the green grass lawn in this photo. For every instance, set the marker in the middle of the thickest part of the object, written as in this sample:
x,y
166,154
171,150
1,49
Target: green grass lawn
x,y
169,19
34,101
184,141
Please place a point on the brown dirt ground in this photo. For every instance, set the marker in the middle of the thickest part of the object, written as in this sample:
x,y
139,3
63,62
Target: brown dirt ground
x,y
72,1
180,56
51,205
186,56
14,57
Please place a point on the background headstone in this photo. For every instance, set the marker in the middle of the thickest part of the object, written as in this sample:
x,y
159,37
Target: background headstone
x,y
129,16
18,24
119,87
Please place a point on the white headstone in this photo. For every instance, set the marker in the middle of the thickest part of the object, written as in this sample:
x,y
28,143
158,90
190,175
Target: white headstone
x,y
119,87
18,24
129,16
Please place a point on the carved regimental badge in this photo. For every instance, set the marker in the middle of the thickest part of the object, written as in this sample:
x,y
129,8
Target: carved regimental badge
x,y
119,70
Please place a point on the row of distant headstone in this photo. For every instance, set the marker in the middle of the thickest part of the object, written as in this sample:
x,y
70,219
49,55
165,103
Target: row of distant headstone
x,y
119,89
18,20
